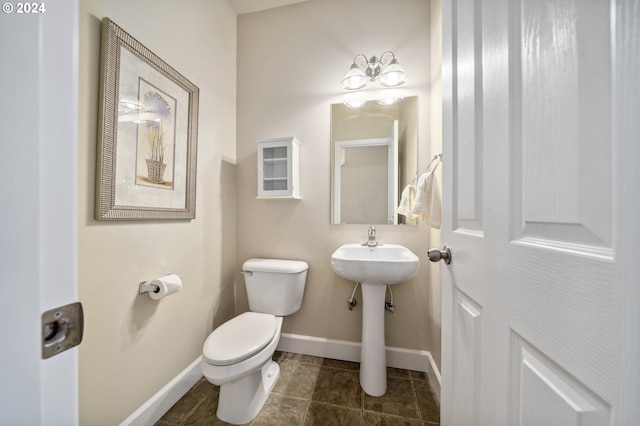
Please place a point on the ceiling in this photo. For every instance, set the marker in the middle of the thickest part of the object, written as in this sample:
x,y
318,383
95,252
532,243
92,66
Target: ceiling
x,y
248,6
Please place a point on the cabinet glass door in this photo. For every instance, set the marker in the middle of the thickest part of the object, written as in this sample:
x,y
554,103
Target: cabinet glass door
x,y
274,168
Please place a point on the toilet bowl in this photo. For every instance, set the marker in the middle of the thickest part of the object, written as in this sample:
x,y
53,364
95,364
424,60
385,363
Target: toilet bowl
x,y
246,375
237,355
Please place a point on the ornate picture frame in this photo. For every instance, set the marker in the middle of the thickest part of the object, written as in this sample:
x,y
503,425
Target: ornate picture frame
x,y
147,142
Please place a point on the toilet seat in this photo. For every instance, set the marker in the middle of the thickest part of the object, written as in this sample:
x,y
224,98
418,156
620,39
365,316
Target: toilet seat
x,y
239,338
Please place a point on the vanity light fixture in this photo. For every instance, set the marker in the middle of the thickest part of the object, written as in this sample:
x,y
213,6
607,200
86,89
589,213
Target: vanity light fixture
x,y
371,69
355,103
386,101
389,100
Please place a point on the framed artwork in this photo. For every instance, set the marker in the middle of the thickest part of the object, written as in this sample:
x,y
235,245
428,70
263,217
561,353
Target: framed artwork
x,y
147,142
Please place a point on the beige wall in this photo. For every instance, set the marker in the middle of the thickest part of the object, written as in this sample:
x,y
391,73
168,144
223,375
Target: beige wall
x,y
133,346
290,63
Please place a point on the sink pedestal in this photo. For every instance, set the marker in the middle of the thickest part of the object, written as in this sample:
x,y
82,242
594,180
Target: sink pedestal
x,y
373,357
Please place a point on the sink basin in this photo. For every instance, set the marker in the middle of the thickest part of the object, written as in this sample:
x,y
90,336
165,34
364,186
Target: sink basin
x,y
384,265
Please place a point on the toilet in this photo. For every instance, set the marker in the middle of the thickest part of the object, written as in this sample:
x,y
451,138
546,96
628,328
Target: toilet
x,y
237,355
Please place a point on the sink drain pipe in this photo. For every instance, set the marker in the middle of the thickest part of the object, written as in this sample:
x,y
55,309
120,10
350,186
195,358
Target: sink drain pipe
x,y
352,302
388,305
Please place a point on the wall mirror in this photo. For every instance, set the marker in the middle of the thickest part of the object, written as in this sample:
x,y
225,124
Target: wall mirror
x,y
374,156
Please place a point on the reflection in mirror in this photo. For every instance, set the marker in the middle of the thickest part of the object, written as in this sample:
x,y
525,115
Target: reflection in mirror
x,y
374,156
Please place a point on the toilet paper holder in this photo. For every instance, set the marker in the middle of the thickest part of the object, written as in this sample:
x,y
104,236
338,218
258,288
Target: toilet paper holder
x,y
161,287
146,286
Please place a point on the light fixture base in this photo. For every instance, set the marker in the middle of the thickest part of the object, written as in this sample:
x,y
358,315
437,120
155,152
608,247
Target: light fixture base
x,y
374,69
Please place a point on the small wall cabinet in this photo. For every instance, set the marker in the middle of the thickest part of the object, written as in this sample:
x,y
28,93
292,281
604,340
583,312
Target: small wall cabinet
x,y
278,168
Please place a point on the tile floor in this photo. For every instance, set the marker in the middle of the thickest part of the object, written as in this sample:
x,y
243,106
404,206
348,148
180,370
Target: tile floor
x,y
320,391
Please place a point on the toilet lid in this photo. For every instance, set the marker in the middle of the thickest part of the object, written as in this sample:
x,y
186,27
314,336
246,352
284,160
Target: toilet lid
x,y
239,338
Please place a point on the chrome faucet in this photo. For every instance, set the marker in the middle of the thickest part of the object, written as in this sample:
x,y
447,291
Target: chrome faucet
x,y
371,242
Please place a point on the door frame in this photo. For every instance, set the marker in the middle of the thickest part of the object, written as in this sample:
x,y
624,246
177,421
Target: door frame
x,y
38,165
392,171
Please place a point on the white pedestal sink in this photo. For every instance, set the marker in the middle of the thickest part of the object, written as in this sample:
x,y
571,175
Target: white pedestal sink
x,y
375,268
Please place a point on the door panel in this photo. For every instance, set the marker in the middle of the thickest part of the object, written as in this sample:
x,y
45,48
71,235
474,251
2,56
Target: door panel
x,y
468,141
536,302
544,394
467,353
561,95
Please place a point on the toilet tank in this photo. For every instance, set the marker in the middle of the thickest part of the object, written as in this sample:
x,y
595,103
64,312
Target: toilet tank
x,y
275,286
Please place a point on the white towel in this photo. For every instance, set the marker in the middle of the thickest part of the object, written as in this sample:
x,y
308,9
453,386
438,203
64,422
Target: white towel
x,y
428,204
406,201
436,204
422,202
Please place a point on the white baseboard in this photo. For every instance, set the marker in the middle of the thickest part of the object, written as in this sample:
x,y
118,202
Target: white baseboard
x,y
152,410
434,377
406,359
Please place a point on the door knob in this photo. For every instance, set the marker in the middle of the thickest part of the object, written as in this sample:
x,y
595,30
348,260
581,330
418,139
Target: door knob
x,y
436,255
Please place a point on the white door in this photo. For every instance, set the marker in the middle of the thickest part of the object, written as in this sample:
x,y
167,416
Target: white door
x,y
541,322
38,226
